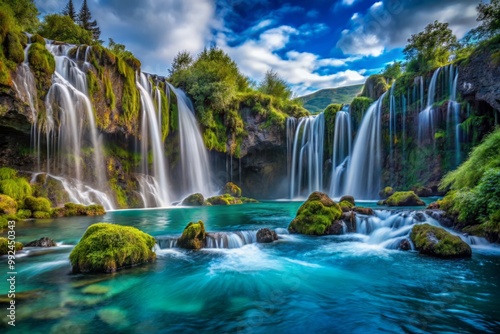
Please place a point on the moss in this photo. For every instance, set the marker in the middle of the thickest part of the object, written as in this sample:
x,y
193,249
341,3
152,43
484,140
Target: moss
x,y
108,247
17,188
110,94
346,205
130,97
165,115
120,194
248,200
24,214
194,200
375,86
42,65
37,204
36,38
316,215
72,209
330,113
93,86
232,189
4,246
436,241
225,199
7,173
358,107
404,198
41,215
7,205
193,236
5,79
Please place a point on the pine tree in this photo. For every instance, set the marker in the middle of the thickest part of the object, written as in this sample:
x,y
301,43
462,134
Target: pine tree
x,y
70,10
85,21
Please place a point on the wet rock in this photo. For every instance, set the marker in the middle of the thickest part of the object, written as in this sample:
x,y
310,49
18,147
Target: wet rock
x,y
363,211
349,219
419,217
386,192
113,316
441,217
232,189
438,242
42,242
422,191
405,245
404,198
337,228
348,198
193,236
265,235
194,200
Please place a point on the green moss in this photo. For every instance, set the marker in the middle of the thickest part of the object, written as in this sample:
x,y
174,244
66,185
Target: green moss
x,y
232,189
42,64
194,200
14,50
165,115
120,194
73,209
5,79
316,215
225,199
404,198
386,192
4,246
37,204
93,85
358,108
108,247
41,215
193,236
17,188
330,114
23,214
130,97
7,205
375,86
346,205
110,94
7,173
438,242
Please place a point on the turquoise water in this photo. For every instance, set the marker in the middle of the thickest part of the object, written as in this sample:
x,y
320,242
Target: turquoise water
x,y
299,284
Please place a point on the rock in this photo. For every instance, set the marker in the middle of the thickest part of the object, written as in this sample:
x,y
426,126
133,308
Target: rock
x,y
193,236
363,211
72,209
7,205
349,218
68,327
348,198
316,215
405,245
404,198
433,206
441,217
386,192
375,86
423,191
42,242
37,204
346,205
194,200
108,247
225,199
382,202
265,235
437,242
51,314
337,228
232,189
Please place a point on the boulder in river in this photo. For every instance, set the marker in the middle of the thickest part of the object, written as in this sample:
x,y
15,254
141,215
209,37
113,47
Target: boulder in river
x,y
438,242
404,198
265,235
193,236
42,242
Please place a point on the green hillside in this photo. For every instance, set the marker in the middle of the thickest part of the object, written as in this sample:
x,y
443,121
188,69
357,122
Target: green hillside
x,y
318,101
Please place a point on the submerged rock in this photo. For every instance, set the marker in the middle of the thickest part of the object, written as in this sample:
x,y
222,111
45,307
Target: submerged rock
x,y
265,235
194,200
42,242
438,242
193,236
404,198
108,247
316,215
405,245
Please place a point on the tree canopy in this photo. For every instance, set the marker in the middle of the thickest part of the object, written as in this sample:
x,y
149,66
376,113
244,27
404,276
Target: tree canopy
x,y
25,13
70,10
274,85
489,16
62,28
85,21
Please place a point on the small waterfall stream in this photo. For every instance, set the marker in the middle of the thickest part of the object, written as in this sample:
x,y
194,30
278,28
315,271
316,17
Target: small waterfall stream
x,y
342,148
426,118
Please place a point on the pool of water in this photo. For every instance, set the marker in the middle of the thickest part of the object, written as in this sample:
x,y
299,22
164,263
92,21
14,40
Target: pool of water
x,y
299,284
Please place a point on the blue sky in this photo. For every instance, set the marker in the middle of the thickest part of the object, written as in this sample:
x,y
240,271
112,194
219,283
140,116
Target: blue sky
x,y
312,44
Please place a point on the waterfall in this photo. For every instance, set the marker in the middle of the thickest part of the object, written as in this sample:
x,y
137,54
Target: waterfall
x,y
195,167
155,185
364,168
291,126
426,117
453,114
216,240
307,156
342,147
392,128
69,114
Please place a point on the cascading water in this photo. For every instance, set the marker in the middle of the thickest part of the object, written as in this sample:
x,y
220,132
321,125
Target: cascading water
x,y
68,114
153,185
364,168
291,126
453,114
195,167
426,117
392,128
307,156
342,147
218,240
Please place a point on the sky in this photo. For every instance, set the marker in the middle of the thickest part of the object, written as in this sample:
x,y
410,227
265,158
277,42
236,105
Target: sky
x,y
312,44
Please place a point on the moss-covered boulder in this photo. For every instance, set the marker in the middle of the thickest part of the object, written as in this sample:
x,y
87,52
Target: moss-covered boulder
x,y
316,215
7,205
108,247
72,209
348,198
386,192
42,242
194,200
232,189
37,204
422,191
225,199
346,205
404,198
193,236
436,241
4,246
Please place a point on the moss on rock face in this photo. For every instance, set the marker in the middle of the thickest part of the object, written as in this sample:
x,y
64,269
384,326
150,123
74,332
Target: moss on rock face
x,y
7,205
232,189
193,236
316,215
17,188
108,247
436,241
386,192
225,199
72,209
37,204
404,198
194,200
4,246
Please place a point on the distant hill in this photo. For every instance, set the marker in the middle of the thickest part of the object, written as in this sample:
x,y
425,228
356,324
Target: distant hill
x,y
318,101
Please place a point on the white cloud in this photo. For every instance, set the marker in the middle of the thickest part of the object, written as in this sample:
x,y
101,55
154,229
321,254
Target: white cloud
x,y
388,24
348,2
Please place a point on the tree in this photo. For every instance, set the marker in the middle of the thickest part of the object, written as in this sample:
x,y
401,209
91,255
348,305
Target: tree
x,y
274,85
392,71
119,49
25,13
85,21
489,16
69,10
62,28
181,62
430,48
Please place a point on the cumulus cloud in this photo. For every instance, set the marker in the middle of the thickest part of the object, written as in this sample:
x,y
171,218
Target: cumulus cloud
x,y
388,24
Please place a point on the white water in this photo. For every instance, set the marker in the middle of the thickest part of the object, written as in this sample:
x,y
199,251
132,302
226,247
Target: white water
x,y
342,148
307,156
364,168
195,167
453,114
151,137
392,128
426,118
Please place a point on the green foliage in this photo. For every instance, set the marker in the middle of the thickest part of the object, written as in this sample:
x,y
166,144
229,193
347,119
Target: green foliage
x,y
121,195
404,198
182,61
14,50
330,113
23,214
24,12
17,188
43,65
108,247
119,49
41,215
375,86
62,28
489,16
73,209
318,101
85,21
438,242
274,85
392,71
225,199
193,236
316,215
131,99
431,48
37,204
8,205
69,10
358,108
7,173
110,94
4,246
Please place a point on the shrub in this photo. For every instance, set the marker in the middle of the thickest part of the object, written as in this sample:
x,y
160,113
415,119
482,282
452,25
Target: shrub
x,y
18,188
